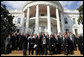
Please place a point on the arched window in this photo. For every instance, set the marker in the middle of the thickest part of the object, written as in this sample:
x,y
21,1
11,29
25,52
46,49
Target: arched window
x,y
19,20
66,29
65,21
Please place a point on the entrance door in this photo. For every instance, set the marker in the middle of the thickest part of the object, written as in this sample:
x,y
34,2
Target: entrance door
x,y
42,28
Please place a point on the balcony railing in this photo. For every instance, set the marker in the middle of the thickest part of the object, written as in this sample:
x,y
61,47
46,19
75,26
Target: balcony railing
x,y
43,17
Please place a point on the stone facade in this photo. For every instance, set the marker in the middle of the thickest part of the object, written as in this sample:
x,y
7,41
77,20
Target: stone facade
x,y
47,17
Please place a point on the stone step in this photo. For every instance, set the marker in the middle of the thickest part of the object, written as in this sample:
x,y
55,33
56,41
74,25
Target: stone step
x,y
77,52
40,55
21,52
17,52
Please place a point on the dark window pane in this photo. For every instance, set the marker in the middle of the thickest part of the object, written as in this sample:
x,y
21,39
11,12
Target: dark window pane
x,y
67,29
65,20
18,20
42,14
76,31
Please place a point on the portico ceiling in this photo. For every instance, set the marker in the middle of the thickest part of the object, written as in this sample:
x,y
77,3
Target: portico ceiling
x,y
32,3
42,9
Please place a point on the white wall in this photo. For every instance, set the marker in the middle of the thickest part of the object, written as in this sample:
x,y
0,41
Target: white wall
x,y
71,25
67,15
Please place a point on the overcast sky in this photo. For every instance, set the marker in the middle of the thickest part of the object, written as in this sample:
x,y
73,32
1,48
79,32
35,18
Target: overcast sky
x,y
71,5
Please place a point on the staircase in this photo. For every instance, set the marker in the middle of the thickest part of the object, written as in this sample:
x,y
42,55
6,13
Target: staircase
x,y
20,53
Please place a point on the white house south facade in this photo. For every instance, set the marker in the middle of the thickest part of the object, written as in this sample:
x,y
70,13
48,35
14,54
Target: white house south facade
x,y
47,17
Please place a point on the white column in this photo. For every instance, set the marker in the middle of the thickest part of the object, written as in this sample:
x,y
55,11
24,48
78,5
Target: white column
x,y
48,20
58,21
27,20
37,20
62,22
22,23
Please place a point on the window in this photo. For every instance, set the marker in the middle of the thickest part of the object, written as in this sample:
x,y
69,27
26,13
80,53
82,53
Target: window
x,y
18,30
73,20
67,29
76,31
53,15
19,20
42,14
42,28
65,20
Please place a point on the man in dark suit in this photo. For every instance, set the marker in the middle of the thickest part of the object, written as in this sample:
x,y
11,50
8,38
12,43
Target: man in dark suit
x,y
47,37
8,44
35,43
79,42
60,37
13,38
71,43
24,45
66,44
74,43
18,40
31,44
38,44
50,44
57,44
41,37
63,39
44,44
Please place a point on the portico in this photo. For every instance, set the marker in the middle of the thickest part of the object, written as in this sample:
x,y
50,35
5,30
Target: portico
x,y
50,16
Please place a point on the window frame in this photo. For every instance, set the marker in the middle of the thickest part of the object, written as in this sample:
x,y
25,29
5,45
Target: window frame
x,y
65,21
42,28
19,19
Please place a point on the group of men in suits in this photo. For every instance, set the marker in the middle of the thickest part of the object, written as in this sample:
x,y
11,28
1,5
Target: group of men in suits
x,y
42,43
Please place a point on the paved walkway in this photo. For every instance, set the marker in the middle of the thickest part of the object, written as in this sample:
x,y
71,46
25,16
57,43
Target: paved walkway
x,y
20,53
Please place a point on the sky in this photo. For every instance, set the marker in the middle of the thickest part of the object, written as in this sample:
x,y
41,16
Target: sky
x,y
71,5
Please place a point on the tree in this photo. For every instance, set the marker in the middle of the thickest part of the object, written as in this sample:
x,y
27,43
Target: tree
x,y
80,19
7,25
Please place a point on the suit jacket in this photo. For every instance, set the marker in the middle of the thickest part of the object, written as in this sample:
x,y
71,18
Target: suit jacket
x,y
18,39
71,43
8,41
79,41
58,42
13,39
44,40
38,41
60,37
25,42
31,43
50,43
66,42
